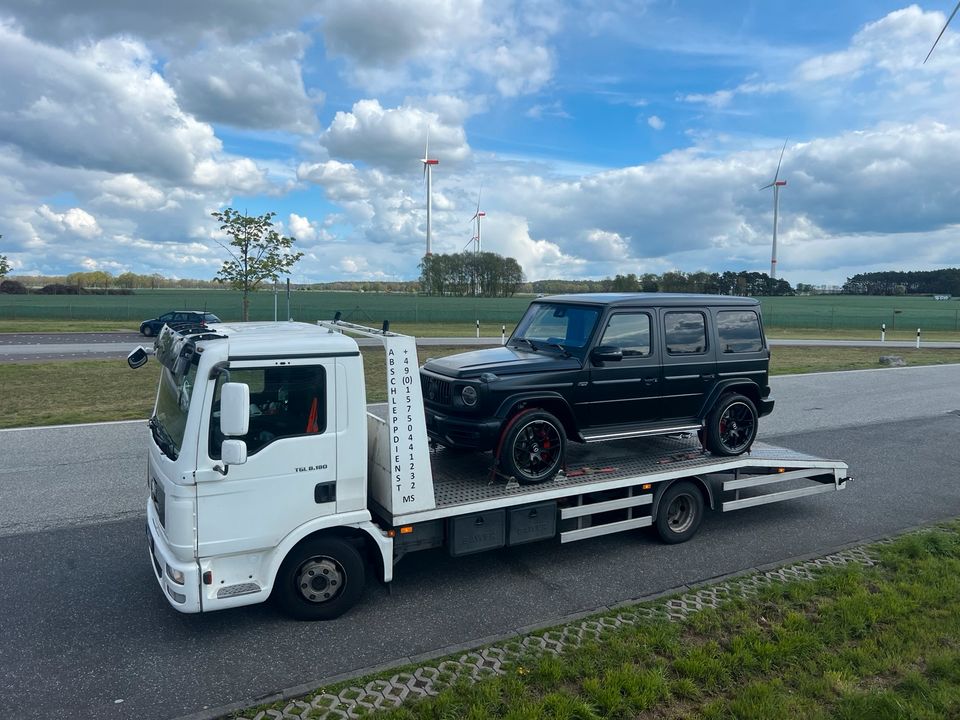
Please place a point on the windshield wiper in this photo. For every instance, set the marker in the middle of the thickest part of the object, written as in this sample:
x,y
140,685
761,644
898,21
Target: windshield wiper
x,y
561,348
162,438
528,342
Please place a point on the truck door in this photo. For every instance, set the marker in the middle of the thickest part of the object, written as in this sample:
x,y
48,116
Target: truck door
x,y
689,362
290,473
628,391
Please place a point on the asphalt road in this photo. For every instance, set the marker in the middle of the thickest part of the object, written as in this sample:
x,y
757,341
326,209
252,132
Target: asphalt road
x,y
85,625
30,347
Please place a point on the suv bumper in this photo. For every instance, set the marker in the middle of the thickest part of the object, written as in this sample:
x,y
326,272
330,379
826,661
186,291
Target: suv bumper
x,y
479,434
766,407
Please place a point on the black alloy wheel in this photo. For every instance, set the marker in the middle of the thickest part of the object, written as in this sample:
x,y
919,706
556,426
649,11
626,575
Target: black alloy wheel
x,y
532,451
732,425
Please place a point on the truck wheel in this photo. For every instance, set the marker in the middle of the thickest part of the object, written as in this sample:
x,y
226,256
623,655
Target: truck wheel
x,y
732,425
680,513
532,449
320,579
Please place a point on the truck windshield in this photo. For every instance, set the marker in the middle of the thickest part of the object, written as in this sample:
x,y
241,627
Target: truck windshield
x,y
555,324
173,405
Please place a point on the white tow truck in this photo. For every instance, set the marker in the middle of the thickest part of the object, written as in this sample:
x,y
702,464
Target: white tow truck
x,y
268,477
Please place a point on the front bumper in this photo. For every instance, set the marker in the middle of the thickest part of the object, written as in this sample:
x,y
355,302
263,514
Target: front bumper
x,y
185,597
452,431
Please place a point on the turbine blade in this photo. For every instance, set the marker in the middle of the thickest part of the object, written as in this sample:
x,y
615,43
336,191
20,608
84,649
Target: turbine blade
x,y
767,186
942,31
777,174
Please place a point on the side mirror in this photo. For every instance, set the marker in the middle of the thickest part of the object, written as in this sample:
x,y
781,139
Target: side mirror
x,y
606,353
233,452
137,358
234,409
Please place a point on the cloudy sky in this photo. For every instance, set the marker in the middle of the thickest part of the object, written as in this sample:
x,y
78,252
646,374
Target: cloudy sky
x,y
612,137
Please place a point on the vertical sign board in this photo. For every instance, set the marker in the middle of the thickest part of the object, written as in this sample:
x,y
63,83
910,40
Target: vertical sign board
x,y
411,477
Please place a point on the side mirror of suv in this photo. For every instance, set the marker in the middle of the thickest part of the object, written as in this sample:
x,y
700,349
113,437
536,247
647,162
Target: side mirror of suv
x,y
606,353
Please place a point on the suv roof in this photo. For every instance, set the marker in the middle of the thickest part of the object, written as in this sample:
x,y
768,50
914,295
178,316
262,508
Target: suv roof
x,y
661,299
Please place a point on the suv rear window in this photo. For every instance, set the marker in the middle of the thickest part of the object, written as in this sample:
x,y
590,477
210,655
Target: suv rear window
x,y
739,331
685,333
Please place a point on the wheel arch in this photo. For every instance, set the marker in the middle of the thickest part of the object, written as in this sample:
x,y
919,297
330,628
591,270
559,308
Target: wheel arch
x,y
702,485
747,388
374,546
553,403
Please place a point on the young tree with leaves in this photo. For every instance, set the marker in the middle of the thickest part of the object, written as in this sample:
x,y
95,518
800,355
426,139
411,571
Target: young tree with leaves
x,y
4,265
257,252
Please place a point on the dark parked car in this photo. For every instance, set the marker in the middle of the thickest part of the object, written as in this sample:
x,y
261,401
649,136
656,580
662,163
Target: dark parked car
x,y
177,318
597,367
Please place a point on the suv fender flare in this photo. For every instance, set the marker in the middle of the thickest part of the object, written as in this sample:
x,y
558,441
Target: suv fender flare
x,y
509,406
744,386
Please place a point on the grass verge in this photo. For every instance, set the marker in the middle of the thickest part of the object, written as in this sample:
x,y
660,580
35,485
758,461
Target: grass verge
x,y
61,392
855,642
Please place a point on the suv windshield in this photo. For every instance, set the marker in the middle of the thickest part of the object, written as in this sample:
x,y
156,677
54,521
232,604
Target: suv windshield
x,y
555,324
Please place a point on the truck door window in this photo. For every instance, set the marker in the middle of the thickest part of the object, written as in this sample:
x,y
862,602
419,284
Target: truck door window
x,y
284,402
630,332
685,333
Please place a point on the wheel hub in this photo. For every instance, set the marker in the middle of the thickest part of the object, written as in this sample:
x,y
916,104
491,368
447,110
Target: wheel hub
x,y
320,579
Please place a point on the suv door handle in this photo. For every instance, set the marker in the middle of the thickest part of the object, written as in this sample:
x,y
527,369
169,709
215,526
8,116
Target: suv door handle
x,y
709,376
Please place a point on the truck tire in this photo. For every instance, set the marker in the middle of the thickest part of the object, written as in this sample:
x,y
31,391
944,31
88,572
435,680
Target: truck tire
x,y
532,447
320,579
731,425
680,512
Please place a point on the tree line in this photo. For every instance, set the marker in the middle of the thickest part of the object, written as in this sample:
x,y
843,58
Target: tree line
x,y
725,283
484,274
945,281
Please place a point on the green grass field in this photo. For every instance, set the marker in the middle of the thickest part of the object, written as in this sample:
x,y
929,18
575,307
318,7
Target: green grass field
x,y
826,314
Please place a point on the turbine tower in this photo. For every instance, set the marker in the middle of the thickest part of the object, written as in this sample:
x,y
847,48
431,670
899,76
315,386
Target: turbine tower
x,y
942,31
428,164
776,185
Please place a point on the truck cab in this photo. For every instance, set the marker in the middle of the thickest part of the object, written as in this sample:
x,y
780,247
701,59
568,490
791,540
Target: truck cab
x,y
219,531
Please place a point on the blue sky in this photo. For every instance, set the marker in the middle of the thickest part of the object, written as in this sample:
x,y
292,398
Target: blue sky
x,y
625,137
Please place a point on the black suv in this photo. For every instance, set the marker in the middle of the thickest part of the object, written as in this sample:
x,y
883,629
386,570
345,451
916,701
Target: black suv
x,y
597,367
177,319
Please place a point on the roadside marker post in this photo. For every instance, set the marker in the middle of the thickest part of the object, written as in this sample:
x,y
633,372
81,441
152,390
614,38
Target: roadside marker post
x,y
503,334
918,338
883,332
478,329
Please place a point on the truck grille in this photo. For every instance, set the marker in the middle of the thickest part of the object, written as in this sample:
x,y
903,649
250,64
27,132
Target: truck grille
x,y
436,391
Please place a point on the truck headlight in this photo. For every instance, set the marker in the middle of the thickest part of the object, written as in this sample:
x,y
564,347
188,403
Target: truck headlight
x,y
175,575
469,395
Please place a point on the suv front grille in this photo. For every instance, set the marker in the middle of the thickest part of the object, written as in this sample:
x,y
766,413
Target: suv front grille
x,y
437,391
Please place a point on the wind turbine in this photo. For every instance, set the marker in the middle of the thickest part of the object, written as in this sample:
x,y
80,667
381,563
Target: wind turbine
x,y
942,31
776,185
478,215
428,164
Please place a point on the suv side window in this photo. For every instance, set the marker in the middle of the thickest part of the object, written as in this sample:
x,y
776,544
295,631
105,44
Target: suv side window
x,y
284,402
630,332
685,333
739,331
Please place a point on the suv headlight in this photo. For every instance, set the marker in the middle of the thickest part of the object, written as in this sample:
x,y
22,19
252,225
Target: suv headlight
x,y
469,395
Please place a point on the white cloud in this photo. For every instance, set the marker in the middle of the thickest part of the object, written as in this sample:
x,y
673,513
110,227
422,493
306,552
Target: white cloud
x,y
442,44
75,220
393,138
655,122
254,85
99,107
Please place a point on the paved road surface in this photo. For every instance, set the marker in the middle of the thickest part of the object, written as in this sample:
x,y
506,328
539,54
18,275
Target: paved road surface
x,y
85,625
